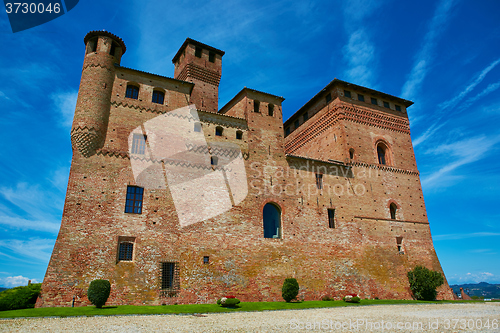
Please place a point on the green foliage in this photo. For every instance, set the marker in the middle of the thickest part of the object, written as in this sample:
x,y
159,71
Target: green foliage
x,y
423,283
327,298
230,302
218,301
290,289
20,297
98,292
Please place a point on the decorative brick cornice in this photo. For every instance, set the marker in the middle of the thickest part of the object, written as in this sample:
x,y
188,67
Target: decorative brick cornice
x,y
90,64
113,153
132,105
384,168
389,220
200,73
222,119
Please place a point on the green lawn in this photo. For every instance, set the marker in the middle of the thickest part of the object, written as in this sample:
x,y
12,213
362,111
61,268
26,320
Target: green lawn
x,y
192,308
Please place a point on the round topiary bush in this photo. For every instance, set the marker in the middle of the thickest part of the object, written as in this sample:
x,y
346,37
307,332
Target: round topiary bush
x,y
290,289
98,292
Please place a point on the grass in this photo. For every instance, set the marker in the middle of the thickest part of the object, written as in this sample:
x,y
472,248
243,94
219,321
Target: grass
x,y
194,308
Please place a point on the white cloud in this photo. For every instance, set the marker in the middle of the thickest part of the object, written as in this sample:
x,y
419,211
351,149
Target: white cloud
x,y
455,100
2,95
29,224
464,236
428,133
15,281
475,277
457,154
359,54
36,248
65,103
424,57
489,89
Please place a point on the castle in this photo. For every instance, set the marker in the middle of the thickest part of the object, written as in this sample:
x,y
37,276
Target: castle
x,y
174,200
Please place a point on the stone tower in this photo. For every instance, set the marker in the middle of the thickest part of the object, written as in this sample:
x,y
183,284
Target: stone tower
x,y
201,64
103,51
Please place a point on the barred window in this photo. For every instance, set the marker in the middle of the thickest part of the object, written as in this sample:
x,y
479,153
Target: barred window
x,y
168,275
125,251
132,92
158,97
133,203
138,144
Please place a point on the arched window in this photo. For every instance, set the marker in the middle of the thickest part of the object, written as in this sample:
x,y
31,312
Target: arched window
x,y
382,153
132,92
272,221
393,208
351,153
218,131
158,96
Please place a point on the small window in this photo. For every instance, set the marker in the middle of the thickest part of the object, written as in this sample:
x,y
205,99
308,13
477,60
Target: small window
x,y
138,144
133,203
386,105
399,242
125,251
270,108
296,123
305,116
381,150
211,56
398,108
168,275
197,51
393,208
374,101
361,98
328,97
214,160
197,127
218,131
287,131
347,93
132,92
206,259
239,135
256,106
351,153
112,49
94,45
158,97
319,181
272,221
331,218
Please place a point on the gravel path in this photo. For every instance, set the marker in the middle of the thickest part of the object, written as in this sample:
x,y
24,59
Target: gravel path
x,y
380,318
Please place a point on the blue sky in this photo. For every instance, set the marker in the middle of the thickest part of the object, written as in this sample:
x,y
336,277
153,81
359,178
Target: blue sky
x,y
443,55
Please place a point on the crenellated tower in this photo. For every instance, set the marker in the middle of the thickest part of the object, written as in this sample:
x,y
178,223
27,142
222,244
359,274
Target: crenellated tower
x,y
200,64
102,51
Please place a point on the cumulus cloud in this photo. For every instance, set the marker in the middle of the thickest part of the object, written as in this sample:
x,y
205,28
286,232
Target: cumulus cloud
x,y
15,281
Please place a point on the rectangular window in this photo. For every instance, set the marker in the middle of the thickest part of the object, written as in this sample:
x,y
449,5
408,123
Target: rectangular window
x,y
138,144
319,181
270,108
168,274
125,251
374,101
211,56
132,92
331,218
296,123
206,259
287,131
305,116
386,105
133,204
347,93
197,51
398,108
112,49
328,97
256,106
399,242
361,98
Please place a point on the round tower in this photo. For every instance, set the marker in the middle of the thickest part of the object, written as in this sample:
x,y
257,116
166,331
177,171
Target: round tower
x,y
102,51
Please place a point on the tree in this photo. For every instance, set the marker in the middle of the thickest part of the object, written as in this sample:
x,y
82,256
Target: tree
x,y
98,292
423,283
23,297
290,289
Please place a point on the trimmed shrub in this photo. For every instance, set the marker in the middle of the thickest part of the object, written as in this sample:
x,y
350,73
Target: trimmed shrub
x,y
98,292
23,297
423,283
228,302
290,289
351,298
327,298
